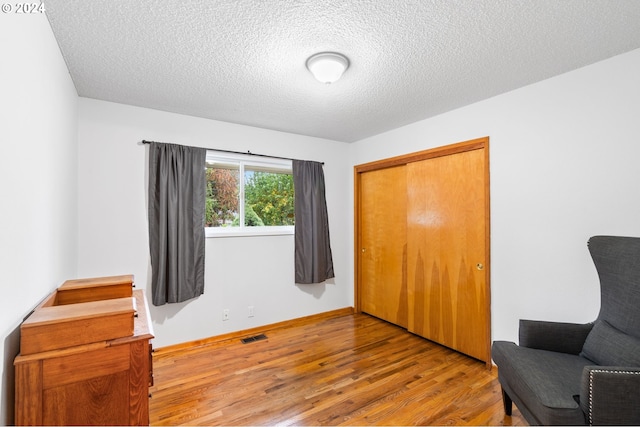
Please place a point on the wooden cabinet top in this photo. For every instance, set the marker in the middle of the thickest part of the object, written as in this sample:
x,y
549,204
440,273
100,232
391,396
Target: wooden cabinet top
x,y
93,316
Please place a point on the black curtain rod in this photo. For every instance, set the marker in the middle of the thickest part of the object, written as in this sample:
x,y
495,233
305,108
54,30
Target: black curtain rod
x,y
235,152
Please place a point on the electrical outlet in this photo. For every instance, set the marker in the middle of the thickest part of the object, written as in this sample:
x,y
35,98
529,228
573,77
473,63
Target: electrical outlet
x,y
225,314
251,311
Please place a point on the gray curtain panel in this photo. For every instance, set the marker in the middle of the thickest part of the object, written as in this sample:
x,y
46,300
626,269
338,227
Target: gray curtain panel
x,y
313,262
176,221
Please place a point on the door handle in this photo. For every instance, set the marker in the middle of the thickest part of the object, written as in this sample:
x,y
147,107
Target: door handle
x,y
479,266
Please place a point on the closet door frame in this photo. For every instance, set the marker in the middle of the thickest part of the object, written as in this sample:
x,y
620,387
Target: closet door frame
x,y
474,144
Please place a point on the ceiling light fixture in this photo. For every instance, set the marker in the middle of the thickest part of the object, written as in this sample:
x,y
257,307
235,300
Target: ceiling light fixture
x,y
327,67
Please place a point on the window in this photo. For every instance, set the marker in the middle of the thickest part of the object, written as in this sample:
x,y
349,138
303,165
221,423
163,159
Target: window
x,y
246,196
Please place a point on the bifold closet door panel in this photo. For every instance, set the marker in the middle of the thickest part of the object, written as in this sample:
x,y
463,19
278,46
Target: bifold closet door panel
x,y
446,238
383,279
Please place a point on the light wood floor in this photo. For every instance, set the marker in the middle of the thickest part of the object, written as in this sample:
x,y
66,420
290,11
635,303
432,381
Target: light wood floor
x,y
348,370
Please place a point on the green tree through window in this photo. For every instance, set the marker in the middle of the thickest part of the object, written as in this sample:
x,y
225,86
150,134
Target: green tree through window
x,y
268,196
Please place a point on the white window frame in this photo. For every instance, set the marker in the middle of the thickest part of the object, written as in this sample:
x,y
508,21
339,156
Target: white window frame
x,y
243,160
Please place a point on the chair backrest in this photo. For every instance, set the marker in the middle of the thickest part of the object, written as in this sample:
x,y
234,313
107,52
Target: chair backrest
x,y
617,260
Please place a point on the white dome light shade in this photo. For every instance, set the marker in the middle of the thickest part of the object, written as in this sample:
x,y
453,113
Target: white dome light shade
x,y
327,67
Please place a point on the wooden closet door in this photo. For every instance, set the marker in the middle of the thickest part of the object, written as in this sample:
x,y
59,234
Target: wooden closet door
x,y
383,285
448,298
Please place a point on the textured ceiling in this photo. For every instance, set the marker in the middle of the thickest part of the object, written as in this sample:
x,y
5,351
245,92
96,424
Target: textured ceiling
x,y
244,61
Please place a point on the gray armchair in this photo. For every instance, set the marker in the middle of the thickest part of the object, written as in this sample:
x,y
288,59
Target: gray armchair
x,y
570,374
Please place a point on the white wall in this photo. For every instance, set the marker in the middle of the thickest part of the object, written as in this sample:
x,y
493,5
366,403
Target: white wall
x,y
239,271
38,122
564,166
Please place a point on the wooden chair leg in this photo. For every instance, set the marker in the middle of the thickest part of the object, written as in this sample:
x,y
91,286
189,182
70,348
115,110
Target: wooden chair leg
x,y
506,401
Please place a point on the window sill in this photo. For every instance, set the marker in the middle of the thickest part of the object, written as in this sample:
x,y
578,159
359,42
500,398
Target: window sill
x,y
249,232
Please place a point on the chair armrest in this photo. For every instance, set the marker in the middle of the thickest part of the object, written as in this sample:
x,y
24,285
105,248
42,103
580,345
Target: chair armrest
x,y
610,395
554,336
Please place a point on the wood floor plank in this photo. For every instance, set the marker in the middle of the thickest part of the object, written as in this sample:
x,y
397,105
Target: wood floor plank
x,y
348,370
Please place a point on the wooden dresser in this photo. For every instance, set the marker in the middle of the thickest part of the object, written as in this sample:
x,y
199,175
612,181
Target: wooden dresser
x,y
85,356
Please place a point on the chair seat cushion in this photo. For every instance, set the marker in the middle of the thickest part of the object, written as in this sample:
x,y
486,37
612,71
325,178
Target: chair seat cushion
x,y
545,382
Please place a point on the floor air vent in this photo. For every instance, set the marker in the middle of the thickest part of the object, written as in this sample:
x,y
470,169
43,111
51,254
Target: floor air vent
x,y
252,339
